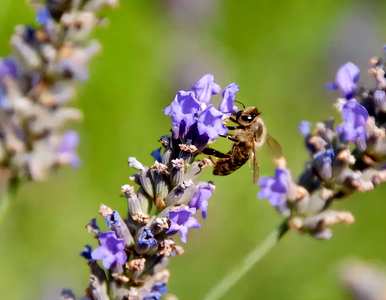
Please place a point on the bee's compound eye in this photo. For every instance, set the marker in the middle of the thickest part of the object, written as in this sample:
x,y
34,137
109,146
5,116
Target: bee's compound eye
x,y
247,118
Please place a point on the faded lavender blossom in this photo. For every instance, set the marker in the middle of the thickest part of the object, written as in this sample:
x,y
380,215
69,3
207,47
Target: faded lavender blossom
x,y
131,260
37,81
346,158
363,281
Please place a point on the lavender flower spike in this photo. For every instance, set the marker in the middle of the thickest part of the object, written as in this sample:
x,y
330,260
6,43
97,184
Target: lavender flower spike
x,y
37,80
344,159
164,204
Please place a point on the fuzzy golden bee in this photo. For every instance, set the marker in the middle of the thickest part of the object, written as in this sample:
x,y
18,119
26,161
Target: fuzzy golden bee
x,y
248,135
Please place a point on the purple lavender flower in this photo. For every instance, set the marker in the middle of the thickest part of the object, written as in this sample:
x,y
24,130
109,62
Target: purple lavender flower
x,y
86,252
181,220
43,16
67,148
210,123
275,188
160,287
227,104
194,119
205,87
8,67
111,250
353,128
183,111
379,97
153,296
323,163
346,80
146,239
304,128
201,197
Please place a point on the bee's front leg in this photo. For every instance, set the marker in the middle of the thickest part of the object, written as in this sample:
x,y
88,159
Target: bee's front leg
x,y
230,137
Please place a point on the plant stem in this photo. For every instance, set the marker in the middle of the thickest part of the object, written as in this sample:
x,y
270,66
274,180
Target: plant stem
x,y
7,193
4,204
219,290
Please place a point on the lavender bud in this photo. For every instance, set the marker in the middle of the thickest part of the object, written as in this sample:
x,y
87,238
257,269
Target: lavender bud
x,y
159,172
179,195
134,205
178,170
116,223
134,163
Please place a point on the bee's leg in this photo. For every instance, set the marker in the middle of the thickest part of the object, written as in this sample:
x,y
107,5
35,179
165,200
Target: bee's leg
x,y
235,127
230,137
215,153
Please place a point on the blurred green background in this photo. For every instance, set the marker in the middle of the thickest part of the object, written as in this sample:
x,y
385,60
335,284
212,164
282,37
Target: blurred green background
x,y
281,53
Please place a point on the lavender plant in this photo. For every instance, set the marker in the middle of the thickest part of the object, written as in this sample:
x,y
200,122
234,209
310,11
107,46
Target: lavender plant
x,y
131,259
344,159
37,81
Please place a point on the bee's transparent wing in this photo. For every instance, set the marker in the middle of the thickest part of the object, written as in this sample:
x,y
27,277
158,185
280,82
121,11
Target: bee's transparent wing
x,y
255,164
274,147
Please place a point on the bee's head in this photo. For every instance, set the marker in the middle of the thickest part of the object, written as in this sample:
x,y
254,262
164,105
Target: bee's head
x,y
247,115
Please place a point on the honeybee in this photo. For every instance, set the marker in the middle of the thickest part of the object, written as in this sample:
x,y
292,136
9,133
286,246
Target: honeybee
x,y
248,135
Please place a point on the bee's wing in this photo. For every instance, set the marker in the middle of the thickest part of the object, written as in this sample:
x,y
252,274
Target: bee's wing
x,y
274,147
255,164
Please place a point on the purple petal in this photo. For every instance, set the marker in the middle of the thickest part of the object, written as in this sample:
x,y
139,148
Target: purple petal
x,y
346,79
227,104
205,87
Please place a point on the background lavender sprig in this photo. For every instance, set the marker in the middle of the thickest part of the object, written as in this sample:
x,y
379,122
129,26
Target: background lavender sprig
x,y
36,83
345,158
131,259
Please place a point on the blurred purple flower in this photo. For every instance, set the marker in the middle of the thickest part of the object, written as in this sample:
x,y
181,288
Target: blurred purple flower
x,y
160,287
86,252
153,296
181,220
346,80
323,163
43,16
227,104
205,87
379,97
304,128
353,128
275,188
111,250
200,198
8,67
67,148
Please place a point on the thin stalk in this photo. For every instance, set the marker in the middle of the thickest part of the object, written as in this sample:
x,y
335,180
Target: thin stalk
x,y
219,290
8,193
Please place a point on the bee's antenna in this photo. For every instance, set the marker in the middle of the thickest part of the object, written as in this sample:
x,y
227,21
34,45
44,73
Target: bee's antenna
x,y
242,104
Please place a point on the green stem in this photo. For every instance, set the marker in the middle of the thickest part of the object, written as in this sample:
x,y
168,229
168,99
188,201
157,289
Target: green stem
x,y
9,191
4,204
219,290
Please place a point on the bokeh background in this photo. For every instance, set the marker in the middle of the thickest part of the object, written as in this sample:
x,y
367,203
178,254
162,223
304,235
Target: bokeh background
x,y
281,53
